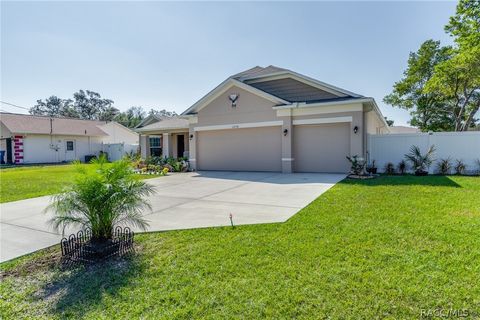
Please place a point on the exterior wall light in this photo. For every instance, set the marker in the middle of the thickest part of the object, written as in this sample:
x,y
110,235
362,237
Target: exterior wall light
x,y
191,136
285,132
233,99
355,129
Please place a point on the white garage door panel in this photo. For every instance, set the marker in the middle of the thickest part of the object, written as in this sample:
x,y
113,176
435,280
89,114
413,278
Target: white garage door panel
x,y
321,148
252,149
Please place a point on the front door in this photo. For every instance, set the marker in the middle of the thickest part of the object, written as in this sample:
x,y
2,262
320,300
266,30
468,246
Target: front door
x,y
70,150
180,145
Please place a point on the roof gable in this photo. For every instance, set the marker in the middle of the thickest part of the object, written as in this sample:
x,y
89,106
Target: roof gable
x,y
275,73
224,86
152,118
166,124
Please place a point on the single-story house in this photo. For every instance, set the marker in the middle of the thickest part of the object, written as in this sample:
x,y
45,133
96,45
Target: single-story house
x,y
269,119
39,139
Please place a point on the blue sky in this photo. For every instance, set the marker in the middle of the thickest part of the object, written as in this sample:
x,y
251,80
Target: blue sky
x,y
168,55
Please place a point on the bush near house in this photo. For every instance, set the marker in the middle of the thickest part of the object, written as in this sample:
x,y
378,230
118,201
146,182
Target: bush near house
x,y
159,165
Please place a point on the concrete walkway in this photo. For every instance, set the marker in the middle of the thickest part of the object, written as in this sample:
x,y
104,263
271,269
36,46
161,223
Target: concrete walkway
x,y
182,201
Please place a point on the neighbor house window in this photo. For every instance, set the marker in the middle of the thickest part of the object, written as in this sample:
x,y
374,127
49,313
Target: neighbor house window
x,y
69,145
155,146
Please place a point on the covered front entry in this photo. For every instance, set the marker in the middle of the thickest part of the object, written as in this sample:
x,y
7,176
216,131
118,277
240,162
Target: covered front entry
x,y
247,149
321,147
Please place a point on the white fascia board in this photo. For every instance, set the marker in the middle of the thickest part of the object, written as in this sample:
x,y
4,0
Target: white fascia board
x,y
320,104
322,120
224,86
239,125
302,78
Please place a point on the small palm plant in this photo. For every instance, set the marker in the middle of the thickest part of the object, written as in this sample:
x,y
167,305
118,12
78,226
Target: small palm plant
x,y
444,166
420,162
402,167
390,168
103,196
460,167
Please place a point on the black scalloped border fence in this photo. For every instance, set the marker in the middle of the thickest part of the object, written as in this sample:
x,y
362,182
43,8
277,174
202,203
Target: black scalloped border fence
x,y
77,248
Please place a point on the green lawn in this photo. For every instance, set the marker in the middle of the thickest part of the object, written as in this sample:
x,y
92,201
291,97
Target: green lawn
x,y
383,248
35,181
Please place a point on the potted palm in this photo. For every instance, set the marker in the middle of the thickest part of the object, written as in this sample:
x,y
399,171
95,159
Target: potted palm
x,y
103,196
372,169
420,162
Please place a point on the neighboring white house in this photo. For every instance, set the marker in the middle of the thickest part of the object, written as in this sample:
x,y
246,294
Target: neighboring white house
x,y
40,139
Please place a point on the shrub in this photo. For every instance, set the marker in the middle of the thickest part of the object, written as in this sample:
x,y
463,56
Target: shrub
x,y
390,168
444,166
102,197
132,156
402,167
420,162
158,161
357,165
460,167
372,168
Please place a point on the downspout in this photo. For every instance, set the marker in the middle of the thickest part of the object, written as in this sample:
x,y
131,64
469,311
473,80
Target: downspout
x,y
51,141
365,136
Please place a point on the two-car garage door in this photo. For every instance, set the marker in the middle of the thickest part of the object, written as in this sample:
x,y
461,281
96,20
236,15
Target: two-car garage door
x,y
315,148
248,149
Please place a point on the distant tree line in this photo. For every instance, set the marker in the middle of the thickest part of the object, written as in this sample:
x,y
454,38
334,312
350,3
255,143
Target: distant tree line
x,y
441,85
89,105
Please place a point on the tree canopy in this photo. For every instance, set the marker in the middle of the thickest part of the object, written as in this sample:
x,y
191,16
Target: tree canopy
x,y
441,85
89,105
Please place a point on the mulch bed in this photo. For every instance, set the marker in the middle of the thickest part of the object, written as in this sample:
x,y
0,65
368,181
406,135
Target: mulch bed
x,y
361,177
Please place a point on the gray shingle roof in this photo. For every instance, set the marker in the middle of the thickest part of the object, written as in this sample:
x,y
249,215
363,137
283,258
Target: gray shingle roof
x,y
293,90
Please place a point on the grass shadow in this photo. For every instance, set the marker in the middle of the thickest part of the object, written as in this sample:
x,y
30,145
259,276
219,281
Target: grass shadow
x,y
405,180
74,292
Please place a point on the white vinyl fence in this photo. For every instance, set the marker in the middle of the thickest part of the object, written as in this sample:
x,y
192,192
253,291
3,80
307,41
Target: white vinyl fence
x,y
117,151
464,146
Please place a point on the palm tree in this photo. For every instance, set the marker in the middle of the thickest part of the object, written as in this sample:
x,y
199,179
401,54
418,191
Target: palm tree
x,y
103,196
420,162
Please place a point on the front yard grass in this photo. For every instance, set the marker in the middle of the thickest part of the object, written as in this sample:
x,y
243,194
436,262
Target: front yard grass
x,y
383,248
34,181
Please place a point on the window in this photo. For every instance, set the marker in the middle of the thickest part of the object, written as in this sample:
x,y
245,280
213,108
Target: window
x,y
69,145
155,146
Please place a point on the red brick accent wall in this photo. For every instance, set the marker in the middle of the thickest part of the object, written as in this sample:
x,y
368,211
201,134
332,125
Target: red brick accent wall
x,y
18,149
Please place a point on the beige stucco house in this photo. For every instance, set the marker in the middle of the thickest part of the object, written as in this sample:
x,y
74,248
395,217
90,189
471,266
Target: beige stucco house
x,y
269,119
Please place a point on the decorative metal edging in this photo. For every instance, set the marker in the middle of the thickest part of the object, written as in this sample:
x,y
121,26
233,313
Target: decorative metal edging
x,y
79,248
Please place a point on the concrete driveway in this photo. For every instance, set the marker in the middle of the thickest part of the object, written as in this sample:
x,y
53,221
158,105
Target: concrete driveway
x,y
182,201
